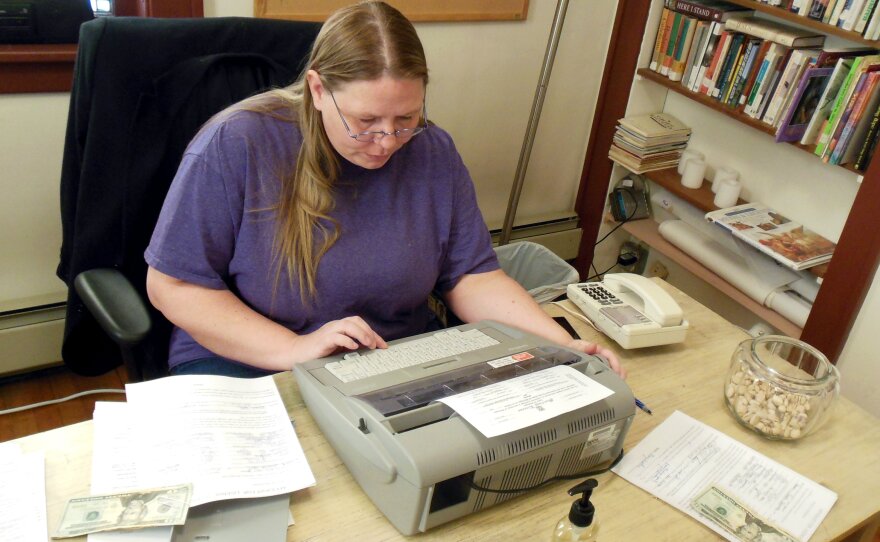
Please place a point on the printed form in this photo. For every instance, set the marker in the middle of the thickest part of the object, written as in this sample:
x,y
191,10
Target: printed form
x,y
682,457
526,400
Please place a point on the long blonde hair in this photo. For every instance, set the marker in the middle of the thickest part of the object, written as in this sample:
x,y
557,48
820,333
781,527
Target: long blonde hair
x,y
362,42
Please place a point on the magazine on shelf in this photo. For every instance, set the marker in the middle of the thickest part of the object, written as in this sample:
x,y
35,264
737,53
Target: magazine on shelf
x,y
783,239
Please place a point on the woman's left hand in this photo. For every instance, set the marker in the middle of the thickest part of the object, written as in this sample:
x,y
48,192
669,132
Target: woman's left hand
x,y
594,348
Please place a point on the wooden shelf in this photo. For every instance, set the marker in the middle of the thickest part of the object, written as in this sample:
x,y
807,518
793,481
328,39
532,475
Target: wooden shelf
x,y
711,103
647,230
786,15
703,199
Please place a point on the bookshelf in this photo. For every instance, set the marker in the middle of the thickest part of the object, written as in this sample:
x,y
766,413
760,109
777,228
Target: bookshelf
x,y
625,89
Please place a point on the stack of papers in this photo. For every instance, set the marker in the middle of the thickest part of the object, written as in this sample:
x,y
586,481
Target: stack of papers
x,y
229,437
649,142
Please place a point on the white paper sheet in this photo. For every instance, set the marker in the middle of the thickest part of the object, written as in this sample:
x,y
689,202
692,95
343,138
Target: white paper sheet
x,y
682,457
114,467
526,400
230,437
22,495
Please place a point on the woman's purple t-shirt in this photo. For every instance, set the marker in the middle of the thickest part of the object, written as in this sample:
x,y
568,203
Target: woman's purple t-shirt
x,y
406,229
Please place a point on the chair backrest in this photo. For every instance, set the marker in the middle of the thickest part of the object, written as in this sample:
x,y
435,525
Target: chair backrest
x,y
142,88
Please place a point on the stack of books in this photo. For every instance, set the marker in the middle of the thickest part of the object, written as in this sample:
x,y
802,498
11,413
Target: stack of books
x,y
649,142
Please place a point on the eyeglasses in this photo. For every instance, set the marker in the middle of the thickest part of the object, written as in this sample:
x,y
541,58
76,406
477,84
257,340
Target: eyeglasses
x,y
376,136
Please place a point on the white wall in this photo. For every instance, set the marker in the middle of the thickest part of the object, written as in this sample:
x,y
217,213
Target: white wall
x,y
31,141
483,81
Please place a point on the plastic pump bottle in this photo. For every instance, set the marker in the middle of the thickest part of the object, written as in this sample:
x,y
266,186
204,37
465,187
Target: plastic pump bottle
x,y
579,525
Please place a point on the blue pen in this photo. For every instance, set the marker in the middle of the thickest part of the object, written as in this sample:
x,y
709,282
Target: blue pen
x,y
642,406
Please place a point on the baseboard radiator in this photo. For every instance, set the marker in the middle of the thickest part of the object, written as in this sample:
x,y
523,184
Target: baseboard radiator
x,y
30,338
560,234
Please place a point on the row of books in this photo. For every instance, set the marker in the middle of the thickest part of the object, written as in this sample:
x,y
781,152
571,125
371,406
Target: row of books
x,y
775,73
860,16
649,142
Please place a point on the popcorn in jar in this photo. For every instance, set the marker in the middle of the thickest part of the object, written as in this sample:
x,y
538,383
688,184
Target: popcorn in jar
x,y
780,387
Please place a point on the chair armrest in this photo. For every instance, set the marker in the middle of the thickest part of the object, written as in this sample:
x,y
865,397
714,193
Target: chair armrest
x,y
115,305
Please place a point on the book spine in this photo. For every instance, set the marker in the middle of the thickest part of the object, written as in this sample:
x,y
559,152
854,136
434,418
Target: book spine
x,y
845,116
838,9
754,73
817,10
659,41
733,56
697,45
786,82
700,11
870,141
853,15
740,76
708,84
676,69
664,39
735,67
837,108
772,84
706,59
829,11
674,36
862,23
853,125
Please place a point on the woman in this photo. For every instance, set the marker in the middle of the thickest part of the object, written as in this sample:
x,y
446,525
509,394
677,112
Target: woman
x,y
320,217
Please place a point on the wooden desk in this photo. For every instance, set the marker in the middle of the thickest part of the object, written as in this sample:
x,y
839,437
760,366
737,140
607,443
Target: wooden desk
x,y
842,455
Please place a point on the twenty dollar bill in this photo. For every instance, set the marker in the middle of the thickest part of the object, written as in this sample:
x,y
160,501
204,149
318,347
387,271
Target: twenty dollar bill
x,y
134,510
736,519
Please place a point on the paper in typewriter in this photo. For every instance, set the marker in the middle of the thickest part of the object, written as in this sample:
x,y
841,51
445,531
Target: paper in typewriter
x,y
526,400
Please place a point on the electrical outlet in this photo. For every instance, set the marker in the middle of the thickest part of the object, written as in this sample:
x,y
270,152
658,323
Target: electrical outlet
x,y
658,270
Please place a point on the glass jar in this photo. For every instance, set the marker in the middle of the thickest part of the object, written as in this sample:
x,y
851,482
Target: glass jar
x,y
780,387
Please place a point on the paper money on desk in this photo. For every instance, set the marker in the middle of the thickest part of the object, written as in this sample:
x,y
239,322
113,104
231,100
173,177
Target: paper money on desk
x,y
729,514
133,510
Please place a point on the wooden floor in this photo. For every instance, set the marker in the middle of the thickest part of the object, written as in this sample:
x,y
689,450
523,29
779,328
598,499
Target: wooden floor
x,y
53,383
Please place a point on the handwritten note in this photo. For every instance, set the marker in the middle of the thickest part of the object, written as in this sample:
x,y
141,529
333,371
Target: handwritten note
x,y
526,400
682,457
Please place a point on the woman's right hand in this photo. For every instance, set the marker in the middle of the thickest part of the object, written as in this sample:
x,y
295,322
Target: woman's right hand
x,y
346,334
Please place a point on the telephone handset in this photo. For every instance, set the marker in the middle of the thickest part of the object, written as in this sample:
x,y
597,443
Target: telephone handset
x,y
631,309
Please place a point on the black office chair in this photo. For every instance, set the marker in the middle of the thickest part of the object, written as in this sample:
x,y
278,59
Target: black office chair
x,y
142,88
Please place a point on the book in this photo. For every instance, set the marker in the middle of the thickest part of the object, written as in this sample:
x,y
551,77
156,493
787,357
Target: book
x,y
855,107
826,101
707,55
660,41
774,31
676,68
817,10
787,83
674,36
764,100
655,126
803,104
868,10
708,84
753,73
707,10
762,79
859,66
663,33
698,42
734,55
781,238
869,143
857,125
851,14
739,77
